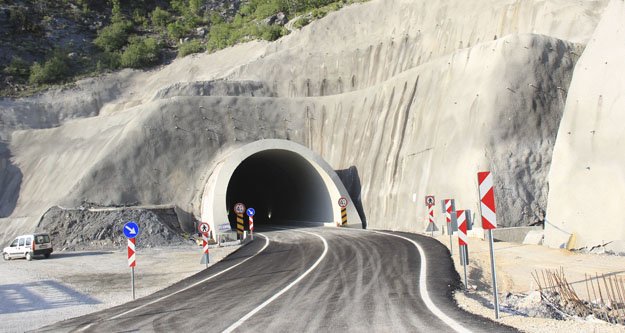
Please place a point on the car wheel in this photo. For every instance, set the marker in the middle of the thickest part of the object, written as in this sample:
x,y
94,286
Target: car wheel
x,y
29,256
47,255
6,256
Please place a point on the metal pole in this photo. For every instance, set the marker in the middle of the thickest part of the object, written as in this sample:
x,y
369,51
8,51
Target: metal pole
x,y
206,254
132,279
494,273
464,265
451,244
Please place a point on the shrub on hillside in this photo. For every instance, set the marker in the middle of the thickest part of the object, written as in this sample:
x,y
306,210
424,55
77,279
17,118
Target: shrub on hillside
x,y
272,32
55,69
177,30
141,52
18,68
194,46
22,19
160,17
108,61
301,22
113,37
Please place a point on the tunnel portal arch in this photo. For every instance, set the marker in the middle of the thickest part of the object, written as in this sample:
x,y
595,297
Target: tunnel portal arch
x,y
282,180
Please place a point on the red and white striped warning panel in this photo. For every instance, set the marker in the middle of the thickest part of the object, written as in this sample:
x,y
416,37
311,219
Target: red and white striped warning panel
x,y
131,252
205,243
431,213
448,209
487,200
252,223
462,227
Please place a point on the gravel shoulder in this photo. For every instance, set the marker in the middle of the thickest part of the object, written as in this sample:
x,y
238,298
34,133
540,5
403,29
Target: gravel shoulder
x,y
70,284
517,289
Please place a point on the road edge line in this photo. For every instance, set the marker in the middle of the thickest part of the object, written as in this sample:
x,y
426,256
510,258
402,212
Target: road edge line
x,y
423,287
188,287
278,294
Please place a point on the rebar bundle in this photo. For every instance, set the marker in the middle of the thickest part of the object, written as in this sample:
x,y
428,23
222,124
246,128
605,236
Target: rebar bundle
x,y
605,295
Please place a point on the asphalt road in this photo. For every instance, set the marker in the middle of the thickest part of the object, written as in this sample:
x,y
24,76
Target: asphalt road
x,y
306,280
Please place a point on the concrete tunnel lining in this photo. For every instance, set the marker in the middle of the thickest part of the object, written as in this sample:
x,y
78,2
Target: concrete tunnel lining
x,y
277,176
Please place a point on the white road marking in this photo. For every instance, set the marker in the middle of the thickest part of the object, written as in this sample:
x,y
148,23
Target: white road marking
x,y
274,297
188,287
424,290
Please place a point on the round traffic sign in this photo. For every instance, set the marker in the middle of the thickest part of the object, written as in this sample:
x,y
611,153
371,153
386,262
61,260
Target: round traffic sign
x,y
204,228
250,212
429,200
131,229
343,202
239,208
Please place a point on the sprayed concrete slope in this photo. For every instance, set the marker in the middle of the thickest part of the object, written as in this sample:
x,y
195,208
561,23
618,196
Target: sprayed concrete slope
x,y
587,179
415,96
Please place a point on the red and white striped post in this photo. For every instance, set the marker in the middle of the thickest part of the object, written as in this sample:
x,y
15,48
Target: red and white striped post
x,y
431,217
205,247
461,218
131,263
252,227
489,222
449,207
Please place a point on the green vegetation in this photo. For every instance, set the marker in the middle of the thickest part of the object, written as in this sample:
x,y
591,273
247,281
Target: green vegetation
x,y
113,37
140,53
55,69
108,35
194,46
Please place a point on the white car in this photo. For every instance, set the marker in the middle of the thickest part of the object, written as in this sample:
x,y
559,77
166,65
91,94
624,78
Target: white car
x,y
27,246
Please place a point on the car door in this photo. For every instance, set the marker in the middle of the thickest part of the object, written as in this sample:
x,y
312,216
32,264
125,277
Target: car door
x,y
21,247
12,249
29,244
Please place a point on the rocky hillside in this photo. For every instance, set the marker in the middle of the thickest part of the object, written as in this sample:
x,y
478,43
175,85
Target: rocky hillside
x,y
416,96
48,43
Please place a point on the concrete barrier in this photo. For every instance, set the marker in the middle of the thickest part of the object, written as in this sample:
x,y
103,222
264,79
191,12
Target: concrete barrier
x,y
514,234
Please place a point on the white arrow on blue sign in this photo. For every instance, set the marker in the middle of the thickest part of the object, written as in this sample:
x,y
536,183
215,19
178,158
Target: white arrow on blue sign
x,y
250,212
131,229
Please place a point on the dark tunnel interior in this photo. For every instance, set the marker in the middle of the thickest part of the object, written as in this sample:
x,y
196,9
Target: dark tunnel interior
x,y
283,188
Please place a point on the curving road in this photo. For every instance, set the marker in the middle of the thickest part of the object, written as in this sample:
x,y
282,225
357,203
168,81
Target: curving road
x,y
306,280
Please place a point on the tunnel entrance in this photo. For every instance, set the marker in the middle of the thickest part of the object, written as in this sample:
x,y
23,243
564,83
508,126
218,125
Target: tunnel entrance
x,y
282,187
283,181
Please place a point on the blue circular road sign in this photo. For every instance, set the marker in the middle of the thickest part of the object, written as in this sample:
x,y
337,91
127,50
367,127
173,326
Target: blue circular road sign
x,y
250,212
131,229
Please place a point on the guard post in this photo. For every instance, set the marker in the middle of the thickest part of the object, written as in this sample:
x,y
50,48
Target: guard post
x,y
250,213
131,230
343,204
239,209
489,222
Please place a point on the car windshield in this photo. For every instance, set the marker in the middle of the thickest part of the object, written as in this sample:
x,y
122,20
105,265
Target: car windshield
x,y
40,239
14,244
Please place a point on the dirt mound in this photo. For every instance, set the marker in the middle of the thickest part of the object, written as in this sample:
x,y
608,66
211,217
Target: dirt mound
x,y
91,229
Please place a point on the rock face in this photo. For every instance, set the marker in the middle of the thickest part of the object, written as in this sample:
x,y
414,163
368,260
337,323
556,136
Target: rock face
x,y
413,97
587,178
83,229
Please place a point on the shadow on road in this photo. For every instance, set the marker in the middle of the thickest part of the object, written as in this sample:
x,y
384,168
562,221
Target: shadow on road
x,y
42,295
57,255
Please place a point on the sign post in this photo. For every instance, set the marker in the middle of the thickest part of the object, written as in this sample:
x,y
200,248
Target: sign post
x,y
250,213
489,222
204,229
429,202
343,204
131,230
449,206
239,209
461,217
